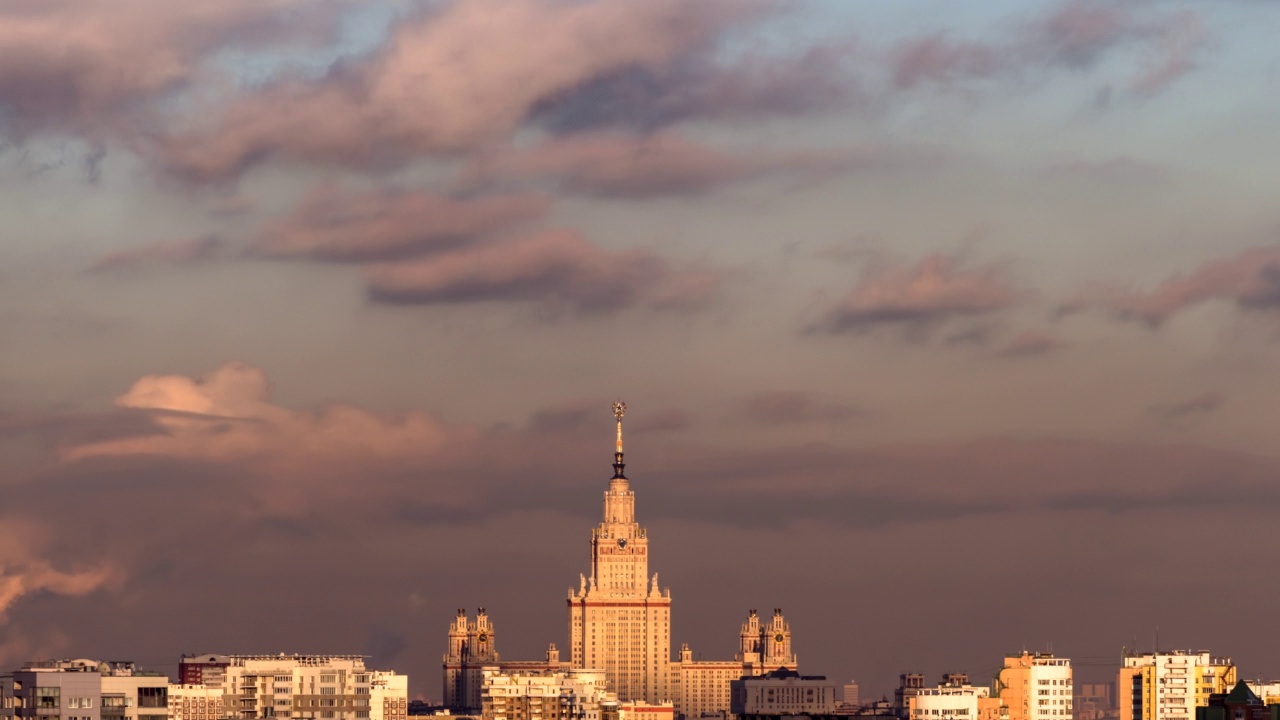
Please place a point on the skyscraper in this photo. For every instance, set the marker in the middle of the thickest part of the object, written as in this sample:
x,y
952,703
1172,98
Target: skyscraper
x,y
619,619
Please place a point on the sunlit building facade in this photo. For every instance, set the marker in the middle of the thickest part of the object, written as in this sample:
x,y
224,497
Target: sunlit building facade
x,y
1036,686
1171,685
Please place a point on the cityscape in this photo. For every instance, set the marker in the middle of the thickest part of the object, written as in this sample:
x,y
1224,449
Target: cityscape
x,y
639,359
618,665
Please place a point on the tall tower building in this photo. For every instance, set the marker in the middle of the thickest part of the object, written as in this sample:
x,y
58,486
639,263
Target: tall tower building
x,y
619,619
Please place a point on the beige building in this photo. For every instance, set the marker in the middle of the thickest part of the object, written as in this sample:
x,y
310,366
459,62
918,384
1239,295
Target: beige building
x,y
309,687
1036,686
703,687
473,647
783,693
195,702
619,622
550,695
955,699
619,618
1171,685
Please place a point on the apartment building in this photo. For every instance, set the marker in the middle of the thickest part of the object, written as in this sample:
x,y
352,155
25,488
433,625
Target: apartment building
x,y
1171,685
310,687
83,689
1036,686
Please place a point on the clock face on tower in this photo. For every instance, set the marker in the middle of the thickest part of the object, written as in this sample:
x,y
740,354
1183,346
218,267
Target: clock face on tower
x,y
622,542
484,637
778,638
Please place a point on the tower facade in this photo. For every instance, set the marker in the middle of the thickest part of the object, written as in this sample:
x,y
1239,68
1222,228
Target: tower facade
x,y
619,618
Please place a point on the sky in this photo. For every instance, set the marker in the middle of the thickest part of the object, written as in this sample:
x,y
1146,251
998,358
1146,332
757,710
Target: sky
x,y
949,328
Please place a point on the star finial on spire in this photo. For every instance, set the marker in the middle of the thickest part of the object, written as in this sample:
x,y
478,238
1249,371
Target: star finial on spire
x,y
619,409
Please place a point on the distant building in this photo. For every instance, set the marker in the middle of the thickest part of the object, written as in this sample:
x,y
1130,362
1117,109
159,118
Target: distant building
x,y
955,699
548,695
850,695
1171,685
908,685
301,687
619,622
1242,703
1095,701
1036,686
203,669
1268,690
702,688
84,689
782,693
473,647
194,702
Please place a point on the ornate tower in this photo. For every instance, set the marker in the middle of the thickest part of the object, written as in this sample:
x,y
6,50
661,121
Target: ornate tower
x,y
619,620
775,643
749,639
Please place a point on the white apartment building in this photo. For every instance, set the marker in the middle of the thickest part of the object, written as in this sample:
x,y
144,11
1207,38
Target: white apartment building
x,y
310,687
195,702
1170,685
551,695
388,696
947,702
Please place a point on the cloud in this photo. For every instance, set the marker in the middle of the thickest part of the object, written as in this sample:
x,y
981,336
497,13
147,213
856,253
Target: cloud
x,y
388,224
1118,169
625,166
754,83
935,290
1172,53
439,87
168,252
1029,343
941,60
1079,32
23,572
558,267
1190,408
587,413
1251,280
90,68
225,416
1077,35
787,407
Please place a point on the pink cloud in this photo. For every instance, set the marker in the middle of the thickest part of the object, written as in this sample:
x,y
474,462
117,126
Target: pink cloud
x,y
616,165
84,67
1029,343
360,227
1078,32
167,252
936,58
557,267
225,416
23,571
934,290
1250,279
442,86
1172,53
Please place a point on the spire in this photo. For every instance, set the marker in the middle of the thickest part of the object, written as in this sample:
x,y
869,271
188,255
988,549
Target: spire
x,y
619,409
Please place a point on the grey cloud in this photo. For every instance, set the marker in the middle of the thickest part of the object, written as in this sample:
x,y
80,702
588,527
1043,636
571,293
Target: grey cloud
x,y
782,407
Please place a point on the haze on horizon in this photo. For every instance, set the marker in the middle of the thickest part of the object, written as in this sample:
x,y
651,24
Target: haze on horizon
x,y
949,329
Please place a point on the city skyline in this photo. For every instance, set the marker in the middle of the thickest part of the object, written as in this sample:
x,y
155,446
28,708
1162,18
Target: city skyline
x,y
951,330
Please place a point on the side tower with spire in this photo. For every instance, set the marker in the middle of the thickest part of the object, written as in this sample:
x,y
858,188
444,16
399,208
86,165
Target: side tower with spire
x,y
619,619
